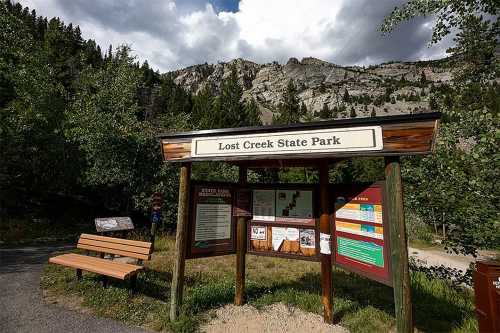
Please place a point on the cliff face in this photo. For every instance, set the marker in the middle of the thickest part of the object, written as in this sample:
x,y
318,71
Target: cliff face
x,y
386,89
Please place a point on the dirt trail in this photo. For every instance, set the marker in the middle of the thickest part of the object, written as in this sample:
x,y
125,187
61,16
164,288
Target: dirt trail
x,y
434,257
275,318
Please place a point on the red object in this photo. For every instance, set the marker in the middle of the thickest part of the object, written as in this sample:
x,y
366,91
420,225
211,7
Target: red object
x,y
487,294
368,195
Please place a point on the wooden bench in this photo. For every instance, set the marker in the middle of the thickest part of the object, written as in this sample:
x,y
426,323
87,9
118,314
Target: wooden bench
x,y
107,245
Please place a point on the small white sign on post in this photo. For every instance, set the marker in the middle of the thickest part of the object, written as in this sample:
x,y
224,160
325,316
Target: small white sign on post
x,y
368,138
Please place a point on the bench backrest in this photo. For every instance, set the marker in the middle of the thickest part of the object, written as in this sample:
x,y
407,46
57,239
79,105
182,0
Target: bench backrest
x,y
123,247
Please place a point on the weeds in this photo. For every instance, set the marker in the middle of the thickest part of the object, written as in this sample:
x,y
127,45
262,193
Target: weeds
x,y
360,305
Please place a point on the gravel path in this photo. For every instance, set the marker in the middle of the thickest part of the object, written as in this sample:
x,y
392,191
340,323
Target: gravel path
x,y
276,318
22,308
439,257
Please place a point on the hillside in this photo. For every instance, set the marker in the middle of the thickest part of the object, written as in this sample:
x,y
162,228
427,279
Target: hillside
x,y
386,89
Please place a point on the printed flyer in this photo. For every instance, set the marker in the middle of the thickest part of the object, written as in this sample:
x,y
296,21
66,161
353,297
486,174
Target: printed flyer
x,y
258,232
307,238
279,235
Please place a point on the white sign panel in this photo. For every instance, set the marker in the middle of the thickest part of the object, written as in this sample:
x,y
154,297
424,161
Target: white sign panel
x,y
213,221
299,142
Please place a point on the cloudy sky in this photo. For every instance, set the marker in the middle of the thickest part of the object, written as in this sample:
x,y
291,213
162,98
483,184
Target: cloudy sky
x,y
172,34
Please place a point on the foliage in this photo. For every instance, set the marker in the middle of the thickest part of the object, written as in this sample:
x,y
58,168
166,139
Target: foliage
x,y
289,111
454,185
77,124
477,23
360,305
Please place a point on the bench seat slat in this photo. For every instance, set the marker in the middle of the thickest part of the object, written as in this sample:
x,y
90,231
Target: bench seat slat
x,y
116,246
104,263
96,265
114,251
142,244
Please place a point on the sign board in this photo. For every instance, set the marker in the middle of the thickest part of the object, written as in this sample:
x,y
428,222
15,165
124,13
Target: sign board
x,y
361,239
368,138
211,228
109,224
283,222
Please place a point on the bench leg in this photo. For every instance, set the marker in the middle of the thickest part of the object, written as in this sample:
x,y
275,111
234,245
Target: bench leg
x,y
133,284
78,274
104,280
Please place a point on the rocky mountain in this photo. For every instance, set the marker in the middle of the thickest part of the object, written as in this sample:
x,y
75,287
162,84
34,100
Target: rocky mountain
x,y
386,89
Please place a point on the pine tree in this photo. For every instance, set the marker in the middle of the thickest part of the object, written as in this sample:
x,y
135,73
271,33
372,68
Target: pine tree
x,y
289,111
252,114
325,113
347,97
231,102
373,113
352,114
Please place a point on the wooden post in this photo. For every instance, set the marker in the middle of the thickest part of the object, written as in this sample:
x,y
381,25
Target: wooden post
x,y
399,249
180,241
241,236
326,259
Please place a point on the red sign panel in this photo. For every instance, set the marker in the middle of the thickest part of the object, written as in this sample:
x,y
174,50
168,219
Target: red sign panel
x,y
361,236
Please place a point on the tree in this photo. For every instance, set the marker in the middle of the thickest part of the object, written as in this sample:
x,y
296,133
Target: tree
x,y
118,148
347,97
477,23
202,109
373,113
289,111
231,102
36,159
423,79
252,114
325,113
352,113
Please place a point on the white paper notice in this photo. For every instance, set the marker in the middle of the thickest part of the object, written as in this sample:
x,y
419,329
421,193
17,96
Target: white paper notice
x,y
258,233
264,205
307,238
292,234
279,235
213,221
325,244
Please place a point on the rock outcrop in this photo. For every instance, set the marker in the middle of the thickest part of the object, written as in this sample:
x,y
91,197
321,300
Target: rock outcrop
x,y
386,89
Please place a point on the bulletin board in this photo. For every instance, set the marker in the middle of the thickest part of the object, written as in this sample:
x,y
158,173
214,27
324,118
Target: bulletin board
x,y
284,222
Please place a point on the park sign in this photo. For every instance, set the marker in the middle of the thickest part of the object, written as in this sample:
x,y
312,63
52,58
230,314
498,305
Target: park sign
x,y
376,136
298,142
358,227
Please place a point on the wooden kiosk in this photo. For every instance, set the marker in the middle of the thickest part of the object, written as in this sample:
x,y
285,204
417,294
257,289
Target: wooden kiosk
x,y
317,145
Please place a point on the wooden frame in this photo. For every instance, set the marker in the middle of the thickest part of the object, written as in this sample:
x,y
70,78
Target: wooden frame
x,y
190,254
402,135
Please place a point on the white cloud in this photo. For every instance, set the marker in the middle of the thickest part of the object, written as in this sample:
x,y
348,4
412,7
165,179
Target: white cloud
x,y
172,34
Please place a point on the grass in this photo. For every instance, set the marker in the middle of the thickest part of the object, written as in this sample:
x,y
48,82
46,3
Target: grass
x,y
360,305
